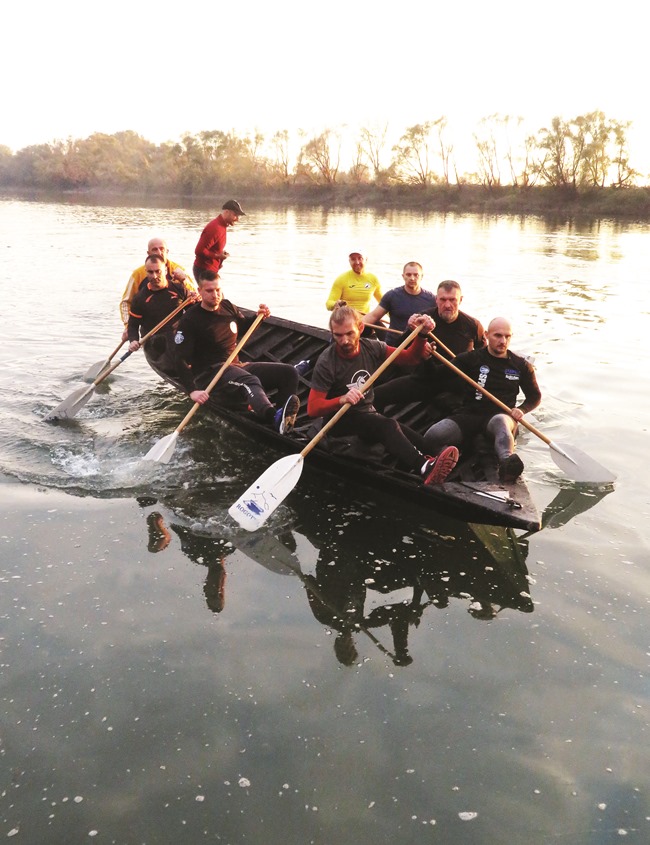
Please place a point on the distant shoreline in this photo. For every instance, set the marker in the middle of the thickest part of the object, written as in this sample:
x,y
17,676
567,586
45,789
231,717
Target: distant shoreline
x,y
625,204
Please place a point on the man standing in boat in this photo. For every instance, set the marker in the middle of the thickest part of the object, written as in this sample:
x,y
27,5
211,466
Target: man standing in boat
x,y
174,272
456,330
157,297
356,287
210,252
402,302
503,374
206,336
340,372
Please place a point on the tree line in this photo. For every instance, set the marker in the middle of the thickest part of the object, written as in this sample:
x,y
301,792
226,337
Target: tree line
x,y
585,153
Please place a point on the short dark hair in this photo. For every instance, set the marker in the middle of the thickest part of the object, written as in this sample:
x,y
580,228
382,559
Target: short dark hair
x,y
207,276
155,257
449,284
417,264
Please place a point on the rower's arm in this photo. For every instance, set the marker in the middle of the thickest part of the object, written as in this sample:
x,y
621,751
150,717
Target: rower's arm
x,y
375,316
530,388
318,405
336,295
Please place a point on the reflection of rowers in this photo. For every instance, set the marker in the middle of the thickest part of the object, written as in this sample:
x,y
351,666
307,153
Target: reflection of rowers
x,y
355,594
206,551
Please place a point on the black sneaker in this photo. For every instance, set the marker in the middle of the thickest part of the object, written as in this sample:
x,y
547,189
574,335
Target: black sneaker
x,y
285,418
436,470
510,468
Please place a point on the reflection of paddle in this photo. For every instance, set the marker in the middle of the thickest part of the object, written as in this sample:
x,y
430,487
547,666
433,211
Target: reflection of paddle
x,y
162,451
92,372
71,406
255,506
573,462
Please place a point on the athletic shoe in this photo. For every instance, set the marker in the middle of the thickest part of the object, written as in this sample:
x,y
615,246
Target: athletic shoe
x,y
285,418
510,468
437,469
302,367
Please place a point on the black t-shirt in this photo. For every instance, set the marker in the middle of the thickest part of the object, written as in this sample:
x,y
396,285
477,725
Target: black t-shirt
x,y
150,307
502,377
463,335
205,338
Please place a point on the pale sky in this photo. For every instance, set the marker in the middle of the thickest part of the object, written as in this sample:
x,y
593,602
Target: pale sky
x,y
73,68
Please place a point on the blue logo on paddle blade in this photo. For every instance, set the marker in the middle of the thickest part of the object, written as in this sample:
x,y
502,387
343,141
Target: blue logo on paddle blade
x,y
254,507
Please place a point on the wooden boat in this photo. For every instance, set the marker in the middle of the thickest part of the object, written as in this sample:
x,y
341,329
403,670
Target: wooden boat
x,y
472,493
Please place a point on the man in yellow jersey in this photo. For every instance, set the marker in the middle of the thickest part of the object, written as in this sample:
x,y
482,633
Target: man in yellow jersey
x,y
355,287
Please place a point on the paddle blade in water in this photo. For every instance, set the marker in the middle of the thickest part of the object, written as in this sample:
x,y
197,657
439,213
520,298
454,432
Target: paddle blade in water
x,y
71,406
580,467
269,491
92,372
162,451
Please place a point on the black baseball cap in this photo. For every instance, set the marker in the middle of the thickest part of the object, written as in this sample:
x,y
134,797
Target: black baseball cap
x,y
233,205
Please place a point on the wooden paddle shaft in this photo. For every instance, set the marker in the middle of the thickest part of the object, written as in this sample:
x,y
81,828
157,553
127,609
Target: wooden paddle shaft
x,y
397,331
380,369
155,329
115,351
195,407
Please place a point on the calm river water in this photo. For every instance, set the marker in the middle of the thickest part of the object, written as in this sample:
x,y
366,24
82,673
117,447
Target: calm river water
x,y
166,679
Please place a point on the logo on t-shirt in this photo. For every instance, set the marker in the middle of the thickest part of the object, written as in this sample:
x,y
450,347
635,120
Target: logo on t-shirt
x,y
359,379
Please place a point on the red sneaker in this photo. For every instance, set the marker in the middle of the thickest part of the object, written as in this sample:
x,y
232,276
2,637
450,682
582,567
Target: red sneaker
x,y
437,469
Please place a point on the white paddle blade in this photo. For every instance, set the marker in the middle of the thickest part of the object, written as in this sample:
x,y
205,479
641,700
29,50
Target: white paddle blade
x,y
71,406
580,467
269,491
96,369
162,451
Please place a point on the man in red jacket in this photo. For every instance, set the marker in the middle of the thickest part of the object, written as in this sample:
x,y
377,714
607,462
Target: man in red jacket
x,y
210,252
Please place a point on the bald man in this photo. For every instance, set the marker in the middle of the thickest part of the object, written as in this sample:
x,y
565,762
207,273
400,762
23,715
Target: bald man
x,y
504,375
175,273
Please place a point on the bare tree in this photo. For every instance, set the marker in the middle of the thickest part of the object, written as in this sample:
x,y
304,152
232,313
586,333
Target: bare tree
x,y
322,156
488,156
559,162
445,149
372,140
281,162
625,175
359,171
413,155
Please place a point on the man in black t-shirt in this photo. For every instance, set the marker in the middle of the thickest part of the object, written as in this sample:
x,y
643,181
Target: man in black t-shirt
x,y
457,330
503,374
206,336
155,300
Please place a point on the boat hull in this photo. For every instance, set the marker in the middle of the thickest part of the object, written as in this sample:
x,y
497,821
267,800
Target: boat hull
x,y
473,493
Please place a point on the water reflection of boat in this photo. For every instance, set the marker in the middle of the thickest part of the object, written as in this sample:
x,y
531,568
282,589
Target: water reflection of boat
x,y
364,576
473,492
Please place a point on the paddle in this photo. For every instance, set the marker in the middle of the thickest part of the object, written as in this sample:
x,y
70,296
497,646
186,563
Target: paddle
x,y
92,372
573,462
397,331
254,507
71,406
162,451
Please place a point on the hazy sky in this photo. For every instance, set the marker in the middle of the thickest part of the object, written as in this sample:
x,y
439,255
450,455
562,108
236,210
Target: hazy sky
x,y
161,69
